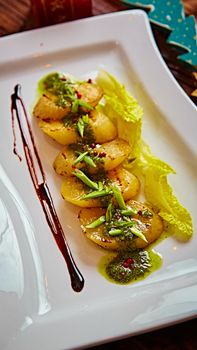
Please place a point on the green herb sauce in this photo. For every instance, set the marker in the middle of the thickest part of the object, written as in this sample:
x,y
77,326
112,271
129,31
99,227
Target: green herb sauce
x,y
60,86
126,267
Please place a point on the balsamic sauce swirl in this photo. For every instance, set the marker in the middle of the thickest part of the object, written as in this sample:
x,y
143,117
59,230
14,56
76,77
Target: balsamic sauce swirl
x,y
37,174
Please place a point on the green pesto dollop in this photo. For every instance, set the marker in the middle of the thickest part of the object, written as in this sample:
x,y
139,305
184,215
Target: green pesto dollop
x,y
60,86
129,266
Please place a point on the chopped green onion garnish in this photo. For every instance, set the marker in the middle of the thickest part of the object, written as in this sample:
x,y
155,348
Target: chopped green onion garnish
x,y
70,89
80,127
81,176
129,211
115,232
119,198
89,161
80,158
124,223
138,233
85,118
85,104
97,222
75,105
82,123
108,214
96,194
100,186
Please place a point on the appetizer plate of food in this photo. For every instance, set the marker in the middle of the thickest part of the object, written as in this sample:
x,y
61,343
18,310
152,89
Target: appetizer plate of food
x,y
98,186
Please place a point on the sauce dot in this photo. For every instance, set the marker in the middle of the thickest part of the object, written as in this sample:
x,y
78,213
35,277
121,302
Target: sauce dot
x,y
102,154
128,262
79,95
125,264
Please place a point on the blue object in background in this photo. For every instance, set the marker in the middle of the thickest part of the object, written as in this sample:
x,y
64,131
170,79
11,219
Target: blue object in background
x,y
187,32
170,14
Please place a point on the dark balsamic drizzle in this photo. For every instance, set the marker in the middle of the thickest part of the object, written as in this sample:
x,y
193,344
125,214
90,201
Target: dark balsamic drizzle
x,y
41,187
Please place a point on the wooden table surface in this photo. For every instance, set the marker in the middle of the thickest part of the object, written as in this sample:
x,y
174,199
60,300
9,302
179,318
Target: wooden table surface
x,y
182,336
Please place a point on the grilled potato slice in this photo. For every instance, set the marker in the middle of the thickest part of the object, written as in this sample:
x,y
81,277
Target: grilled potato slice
x,y
63,163
103,128
73,189
90,93
111,154
150,226
56,129
46,107
128,183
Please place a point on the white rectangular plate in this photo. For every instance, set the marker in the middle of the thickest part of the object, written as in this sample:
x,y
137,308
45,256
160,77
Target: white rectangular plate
x,y
39,309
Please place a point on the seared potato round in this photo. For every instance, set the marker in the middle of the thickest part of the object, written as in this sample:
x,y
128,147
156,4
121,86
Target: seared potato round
x,y
56,129
47,108
128,183
73,189
115,152
103,128
111,154
63,163
90,93
150,226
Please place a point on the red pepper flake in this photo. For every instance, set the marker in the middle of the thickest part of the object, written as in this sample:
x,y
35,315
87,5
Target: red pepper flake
x,y
63,78
128,263
90,81
125,264
93,145
102,154
78,94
